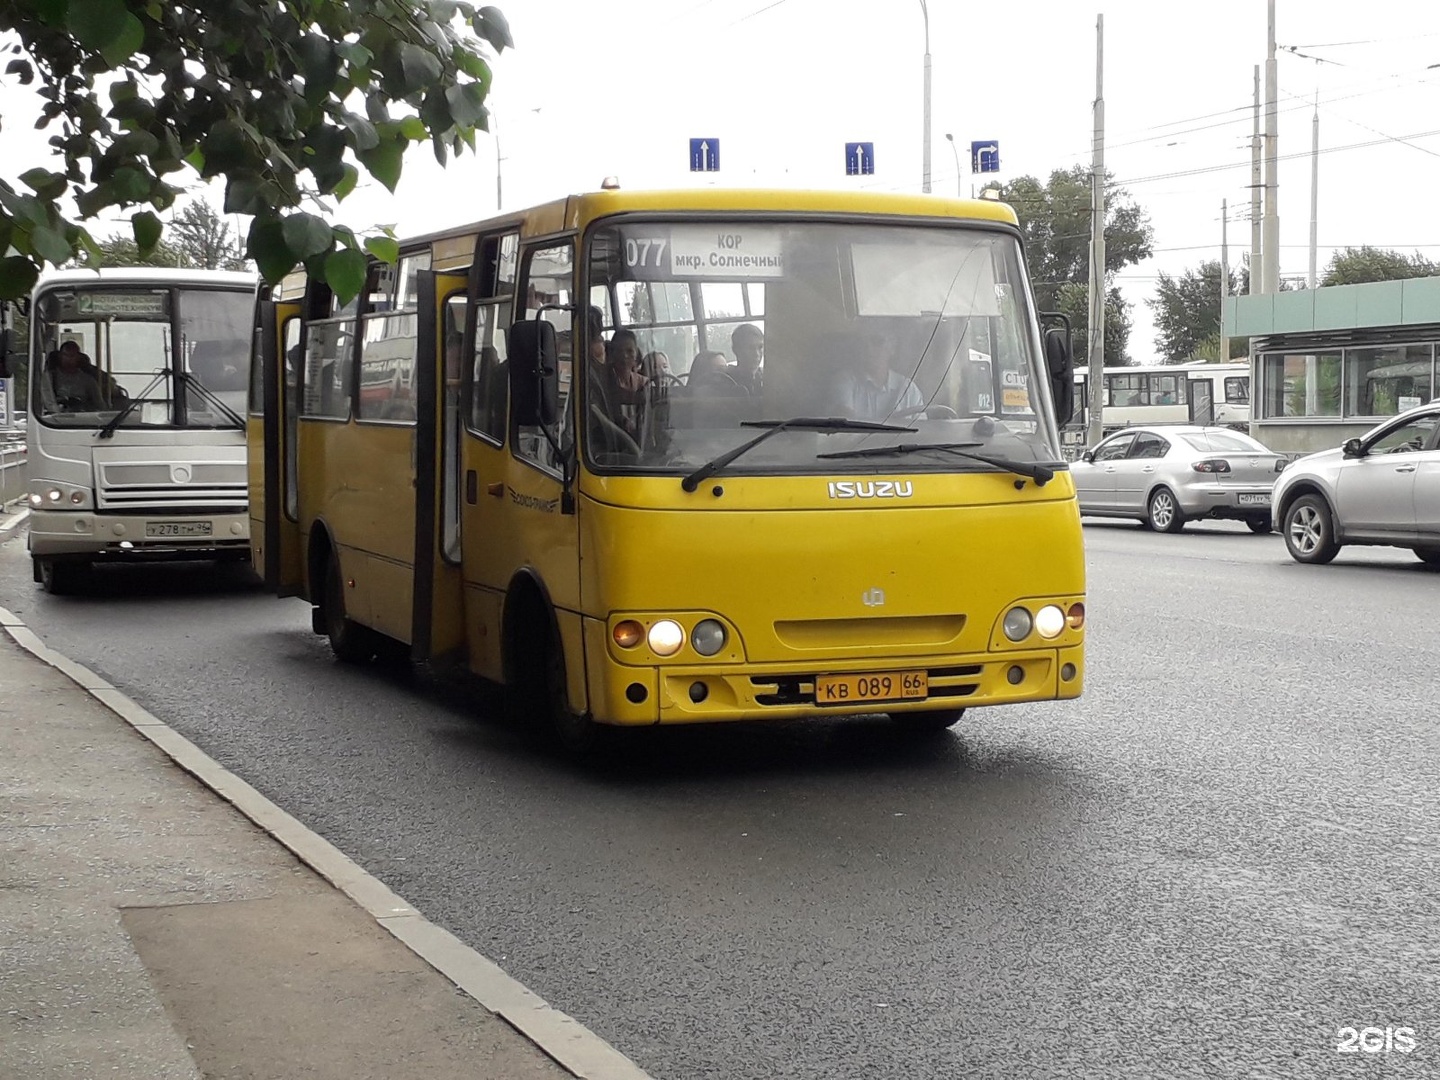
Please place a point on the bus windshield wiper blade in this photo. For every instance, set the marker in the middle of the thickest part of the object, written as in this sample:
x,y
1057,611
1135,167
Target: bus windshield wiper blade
x,y
1041,474
826,424
205,394
108,431
898,448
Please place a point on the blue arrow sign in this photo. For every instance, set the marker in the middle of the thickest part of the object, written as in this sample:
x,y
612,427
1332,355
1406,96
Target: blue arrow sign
x,y
984,157
859,158
704,155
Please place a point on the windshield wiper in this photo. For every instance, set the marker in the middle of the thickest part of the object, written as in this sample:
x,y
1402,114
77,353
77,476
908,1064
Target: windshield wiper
x,y
826,424
1041,474
208,395
108,431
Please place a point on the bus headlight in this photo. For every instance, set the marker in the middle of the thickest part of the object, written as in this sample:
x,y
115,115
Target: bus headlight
x,y
628,634
708,637
1049,621
53,494
666,637
1017,624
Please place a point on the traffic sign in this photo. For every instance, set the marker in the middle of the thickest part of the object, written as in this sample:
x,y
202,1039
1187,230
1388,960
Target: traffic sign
x,y
984,157
859,158
704,155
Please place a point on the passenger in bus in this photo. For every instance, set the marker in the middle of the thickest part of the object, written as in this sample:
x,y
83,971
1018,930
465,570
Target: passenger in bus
x,y
217,366
74,380
747,342
625,382
710,372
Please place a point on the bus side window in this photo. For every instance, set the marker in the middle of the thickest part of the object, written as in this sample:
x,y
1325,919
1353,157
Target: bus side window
x,y
328,360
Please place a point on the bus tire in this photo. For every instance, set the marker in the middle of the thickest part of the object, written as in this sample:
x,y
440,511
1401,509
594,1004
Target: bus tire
x,y
349,641
1163,513
60,577
535,699
1310,530
1430,556
931,722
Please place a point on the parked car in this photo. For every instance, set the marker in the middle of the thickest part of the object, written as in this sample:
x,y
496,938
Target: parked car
x,y
1165,476
1382,488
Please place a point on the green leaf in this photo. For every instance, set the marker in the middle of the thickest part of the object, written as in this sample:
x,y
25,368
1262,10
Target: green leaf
x,y
472,64
346,235
242,194
467,104
490,24
132,37
347,182
383,248
345,274
352,52
43,182
266,245
17,277
22,68
385,161
147,229
97,24
49,244
363,132
414,129
420,66
130,185
307,235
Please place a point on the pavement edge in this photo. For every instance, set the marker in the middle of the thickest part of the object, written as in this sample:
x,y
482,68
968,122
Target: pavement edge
x,y
573,1046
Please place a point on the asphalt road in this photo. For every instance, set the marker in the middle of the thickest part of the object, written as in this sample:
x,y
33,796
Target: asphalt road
x,y
1226,852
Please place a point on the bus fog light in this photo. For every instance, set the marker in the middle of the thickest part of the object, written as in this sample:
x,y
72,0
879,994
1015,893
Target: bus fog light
x,y
1016,675
628,634
1075,617
1017,624
708,637
666,637
1049,621
77,497
699,692
1067,672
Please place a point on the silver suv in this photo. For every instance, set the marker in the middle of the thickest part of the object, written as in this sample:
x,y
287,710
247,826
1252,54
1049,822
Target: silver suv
x,y
1382,488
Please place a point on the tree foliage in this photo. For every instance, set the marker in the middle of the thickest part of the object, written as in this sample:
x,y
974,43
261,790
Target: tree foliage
x,y
1353,266
204,239
1055,220
1187,313
285,100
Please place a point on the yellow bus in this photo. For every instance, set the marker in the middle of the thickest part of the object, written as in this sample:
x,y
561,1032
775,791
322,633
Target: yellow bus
x,y
685,457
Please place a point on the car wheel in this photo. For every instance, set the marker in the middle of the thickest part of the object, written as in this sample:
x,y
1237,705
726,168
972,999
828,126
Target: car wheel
x,y
926,723
1310,530
1430,556
1259,526
1164,514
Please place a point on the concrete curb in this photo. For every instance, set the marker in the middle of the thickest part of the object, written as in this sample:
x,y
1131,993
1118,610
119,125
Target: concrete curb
x,y
577,1049
11,519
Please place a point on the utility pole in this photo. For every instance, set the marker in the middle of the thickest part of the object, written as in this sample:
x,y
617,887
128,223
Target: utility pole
x,y
1314,186
1257,268
1224,278
925,135
1095,354
1271,239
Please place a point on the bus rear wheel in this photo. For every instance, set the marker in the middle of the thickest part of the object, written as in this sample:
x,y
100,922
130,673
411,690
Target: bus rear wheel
x,y
926,723
349,641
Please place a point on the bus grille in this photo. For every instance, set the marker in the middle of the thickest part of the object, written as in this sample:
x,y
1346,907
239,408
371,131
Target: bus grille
x,y
215,487
945,683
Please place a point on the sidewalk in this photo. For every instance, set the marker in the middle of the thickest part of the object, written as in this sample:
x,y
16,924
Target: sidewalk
x,y
150,930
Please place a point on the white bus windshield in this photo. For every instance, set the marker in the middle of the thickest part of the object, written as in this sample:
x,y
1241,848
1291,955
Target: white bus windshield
x,y
696,330
161,356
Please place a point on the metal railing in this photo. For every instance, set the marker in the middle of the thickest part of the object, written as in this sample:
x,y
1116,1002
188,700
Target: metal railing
x,y
14,474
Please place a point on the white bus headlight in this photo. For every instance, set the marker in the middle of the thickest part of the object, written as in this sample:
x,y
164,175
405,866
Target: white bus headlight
x,y
666,637
708,637
1049,621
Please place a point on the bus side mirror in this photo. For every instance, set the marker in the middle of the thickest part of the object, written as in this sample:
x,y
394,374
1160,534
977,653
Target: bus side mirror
x,y
1061,365
534,373
6,339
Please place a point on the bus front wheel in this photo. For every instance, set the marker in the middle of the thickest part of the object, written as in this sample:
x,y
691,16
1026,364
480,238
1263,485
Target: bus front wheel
x,y
59,577
349,641
536,699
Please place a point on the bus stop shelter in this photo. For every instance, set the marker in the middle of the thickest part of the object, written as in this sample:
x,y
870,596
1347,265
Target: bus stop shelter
x,y
1331,363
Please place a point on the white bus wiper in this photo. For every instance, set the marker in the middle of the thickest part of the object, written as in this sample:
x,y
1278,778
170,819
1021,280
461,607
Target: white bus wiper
x,y
207,395
803,423
1041,474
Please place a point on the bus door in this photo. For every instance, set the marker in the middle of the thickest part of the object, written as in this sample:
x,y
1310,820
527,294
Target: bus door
x,y
439,613
270,437
1200,393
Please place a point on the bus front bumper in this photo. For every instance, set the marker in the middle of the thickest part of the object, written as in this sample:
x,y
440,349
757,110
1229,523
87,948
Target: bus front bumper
x,y
121,536
695,694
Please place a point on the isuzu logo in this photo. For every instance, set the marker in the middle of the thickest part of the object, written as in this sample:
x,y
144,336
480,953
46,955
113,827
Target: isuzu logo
x,y
871,489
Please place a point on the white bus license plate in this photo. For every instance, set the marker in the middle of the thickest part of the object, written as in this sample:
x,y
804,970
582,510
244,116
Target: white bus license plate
x,y
1253,500
881,686
177,528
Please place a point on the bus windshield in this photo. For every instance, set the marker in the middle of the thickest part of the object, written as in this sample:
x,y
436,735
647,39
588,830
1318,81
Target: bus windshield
x,y
132,356
697,330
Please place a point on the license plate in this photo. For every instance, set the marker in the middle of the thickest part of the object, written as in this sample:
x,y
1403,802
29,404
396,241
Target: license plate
x,y
177,528
879,686
1253,500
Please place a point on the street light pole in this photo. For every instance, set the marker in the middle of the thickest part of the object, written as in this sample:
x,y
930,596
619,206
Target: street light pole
x,y
959,179
925,138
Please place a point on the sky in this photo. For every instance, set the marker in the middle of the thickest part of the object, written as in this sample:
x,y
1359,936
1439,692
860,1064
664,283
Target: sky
x,y
619,88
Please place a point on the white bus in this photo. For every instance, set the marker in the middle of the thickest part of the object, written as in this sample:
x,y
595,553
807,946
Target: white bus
x,y
136,437
1217,394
